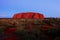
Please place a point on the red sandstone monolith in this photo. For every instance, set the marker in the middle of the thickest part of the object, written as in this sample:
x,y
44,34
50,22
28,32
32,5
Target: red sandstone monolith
x,y
29,15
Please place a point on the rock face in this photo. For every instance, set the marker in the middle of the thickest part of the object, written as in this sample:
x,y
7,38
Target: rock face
x,y
29,15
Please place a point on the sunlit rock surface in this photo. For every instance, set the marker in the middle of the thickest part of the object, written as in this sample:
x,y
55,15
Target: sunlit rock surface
x,y
29,15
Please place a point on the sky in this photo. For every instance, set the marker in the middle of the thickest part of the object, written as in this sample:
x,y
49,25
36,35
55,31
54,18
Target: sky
x,y
49,8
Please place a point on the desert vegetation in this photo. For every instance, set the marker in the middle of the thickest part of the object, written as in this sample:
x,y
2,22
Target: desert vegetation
x,y
30,29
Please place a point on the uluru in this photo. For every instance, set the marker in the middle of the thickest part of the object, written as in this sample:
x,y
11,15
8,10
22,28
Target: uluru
x,y
29,15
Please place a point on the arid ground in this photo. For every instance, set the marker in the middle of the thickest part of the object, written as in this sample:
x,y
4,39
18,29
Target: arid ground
x,y
29,29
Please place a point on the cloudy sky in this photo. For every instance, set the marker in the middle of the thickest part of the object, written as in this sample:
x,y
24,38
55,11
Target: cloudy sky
x,y
50,8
